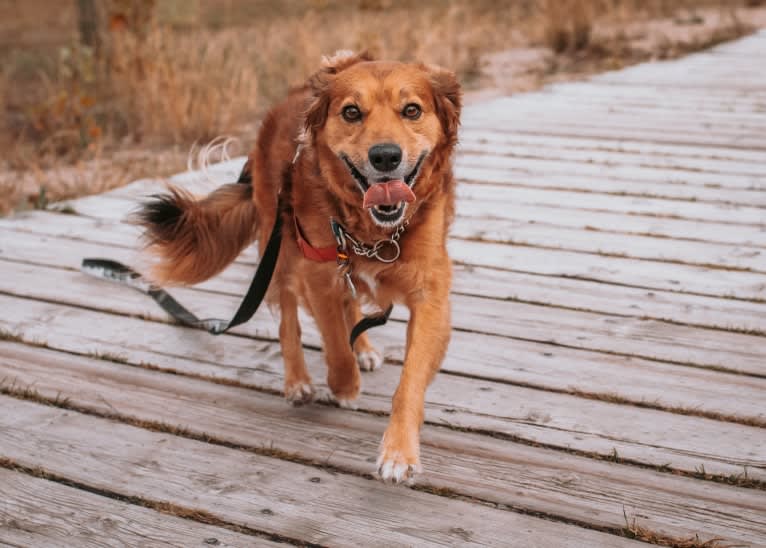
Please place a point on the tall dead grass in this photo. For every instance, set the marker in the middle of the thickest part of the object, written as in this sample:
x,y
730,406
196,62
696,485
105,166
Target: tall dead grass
x,y
569,25
179,87
170,86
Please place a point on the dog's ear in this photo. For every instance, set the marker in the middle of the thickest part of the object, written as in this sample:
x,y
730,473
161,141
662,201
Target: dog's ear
x,y
447,99
319,84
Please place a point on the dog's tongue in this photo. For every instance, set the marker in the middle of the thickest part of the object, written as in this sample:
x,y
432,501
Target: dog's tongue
x,y
388,193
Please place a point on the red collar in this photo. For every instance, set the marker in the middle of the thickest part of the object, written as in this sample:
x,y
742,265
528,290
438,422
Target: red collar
x,y
318,254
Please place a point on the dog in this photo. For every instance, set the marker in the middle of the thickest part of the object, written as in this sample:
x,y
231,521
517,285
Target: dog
x,y
368,144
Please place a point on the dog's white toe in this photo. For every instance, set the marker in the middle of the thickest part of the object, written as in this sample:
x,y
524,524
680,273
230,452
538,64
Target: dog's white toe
x,y
347,404
395,470
369,360
300,394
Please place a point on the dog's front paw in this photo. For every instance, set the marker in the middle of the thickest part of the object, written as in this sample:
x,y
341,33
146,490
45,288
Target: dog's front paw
x,y
369,360
398,461
300,393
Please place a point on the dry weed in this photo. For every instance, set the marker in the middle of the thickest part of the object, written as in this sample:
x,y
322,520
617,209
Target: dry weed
x,y
193,75
635,531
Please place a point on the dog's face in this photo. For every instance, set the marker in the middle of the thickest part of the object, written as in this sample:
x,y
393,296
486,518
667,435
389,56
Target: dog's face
x,y
384,124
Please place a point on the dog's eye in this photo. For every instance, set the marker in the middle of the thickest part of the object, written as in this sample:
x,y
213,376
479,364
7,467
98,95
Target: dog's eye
x,y
352,113
412,111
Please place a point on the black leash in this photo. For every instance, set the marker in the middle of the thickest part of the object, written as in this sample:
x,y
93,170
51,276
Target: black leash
x,y
118,272
369,322
114,271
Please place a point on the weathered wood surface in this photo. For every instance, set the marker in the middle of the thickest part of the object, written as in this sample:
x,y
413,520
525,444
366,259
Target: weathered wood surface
x,y
625,336
296,501
561,420
36,512
488,469
684,308
608,357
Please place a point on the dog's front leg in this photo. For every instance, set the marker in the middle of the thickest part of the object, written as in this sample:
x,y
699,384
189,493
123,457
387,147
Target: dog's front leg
x,y
327,306
298,387
428,334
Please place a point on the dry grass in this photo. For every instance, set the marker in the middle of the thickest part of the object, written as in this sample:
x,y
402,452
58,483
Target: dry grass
x,y
634,530
78,122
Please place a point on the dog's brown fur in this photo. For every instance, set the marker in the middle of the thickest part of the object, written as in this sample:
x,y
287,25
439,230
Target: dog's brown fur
x,y
195,240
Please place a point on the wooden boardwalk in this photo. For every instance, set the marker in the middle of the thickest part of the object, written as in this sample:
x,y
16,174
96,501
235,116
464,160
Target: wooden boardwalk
x,y
606,376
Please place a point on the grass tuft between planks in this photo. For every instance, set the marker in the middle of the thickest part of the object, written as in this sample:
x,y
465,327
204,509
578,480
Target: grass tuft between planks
x,y
29,393
739,480
635,531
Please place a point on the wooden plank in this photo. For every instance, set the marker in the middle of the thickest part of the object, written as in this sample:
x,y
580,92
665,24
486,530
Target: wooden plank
x,y
703,212
648,96
528,234
655,135
704,254
568,105
538,416
743,193
650,101
644,247
697,132
632,378
531,478
281,497
689,72
747,175
662,227
742,46
524,113
107,207
622,145
561,103
635,273
623,271
591,185
692,310
576,294
707,212
624,336
36,512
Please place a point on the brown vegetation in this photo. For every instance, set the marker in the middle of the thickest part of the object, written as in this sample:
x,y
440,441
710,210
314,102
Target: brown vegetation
x,y
81,119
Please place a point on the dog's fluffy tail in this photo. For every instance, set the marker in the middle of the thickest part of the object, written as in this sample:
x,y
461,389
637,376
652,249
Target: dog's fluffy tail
x,y
196,239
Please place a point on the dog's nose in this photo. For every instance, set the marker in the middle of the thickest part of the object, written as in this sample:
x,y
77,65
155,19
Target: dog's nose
x,y
385,157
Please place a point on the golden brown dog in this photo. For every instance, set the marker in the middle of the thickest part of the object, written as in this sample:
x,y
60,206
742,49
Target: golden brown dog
x,y
367,143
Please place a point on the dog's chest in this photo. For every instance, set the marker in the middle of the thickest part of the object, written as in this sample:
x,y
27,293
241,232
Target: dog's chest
x,y
369,279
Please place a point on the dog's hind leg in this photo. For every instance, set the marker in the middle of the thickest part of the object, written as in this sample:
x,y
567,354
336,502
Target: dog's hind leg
x,y
367,356
343,376
298,387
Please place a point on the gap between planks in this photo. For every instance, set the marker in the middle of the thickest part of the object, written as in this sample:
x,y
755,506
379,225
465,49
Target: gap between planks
x,y
461,401
44,512
457,463
615,335
531,288
645,274
476,316
261,492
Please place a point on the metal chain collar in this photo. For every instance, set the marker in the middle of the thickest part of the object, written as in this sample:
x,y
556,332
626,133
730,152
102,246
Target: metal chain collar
x,y
361,249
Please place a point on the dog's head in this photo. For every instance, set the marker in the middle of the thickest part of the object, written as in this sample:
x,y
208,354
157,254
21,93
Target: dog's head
x,y
380,129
